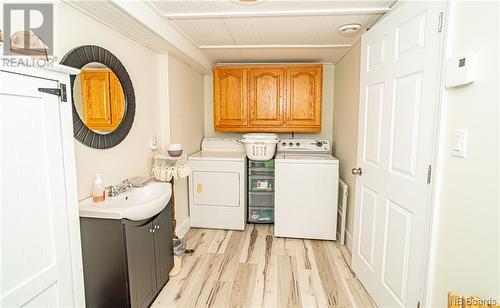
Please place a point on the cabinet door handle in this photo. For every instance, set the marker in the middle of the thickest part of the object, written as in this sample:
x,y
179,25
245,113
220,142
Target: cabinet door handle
x,y
157,227
150,230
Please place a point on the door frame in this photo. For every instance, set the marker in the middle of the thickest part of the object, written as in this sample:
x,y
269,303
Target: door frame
x,y
437,163
437,152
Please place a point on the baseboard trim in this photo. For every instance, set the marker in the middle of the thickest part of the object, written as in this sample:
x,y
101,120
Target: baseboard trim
x,y
348,241
183,228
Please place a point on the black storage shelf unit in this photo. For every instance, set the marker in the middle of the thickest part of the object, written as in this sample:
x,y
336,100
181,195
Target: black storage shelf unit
x,y
261,191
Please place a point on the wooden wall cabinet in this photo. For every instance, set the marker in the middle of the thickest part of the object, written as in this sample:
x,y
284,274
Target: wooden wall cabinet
x,y
102,99
268,98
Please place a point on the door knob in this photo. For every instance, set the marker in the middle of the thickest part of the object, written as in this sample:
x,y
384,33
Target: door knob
x,y
357,171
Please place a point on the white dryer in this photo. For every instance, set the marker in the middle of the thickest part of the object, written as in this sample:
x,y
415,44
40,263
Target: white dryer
x,y
217,185
306,189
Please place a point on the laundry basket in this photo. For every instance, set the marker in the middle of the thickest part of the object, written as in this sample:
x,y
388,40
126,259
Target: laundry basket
x,y
260,146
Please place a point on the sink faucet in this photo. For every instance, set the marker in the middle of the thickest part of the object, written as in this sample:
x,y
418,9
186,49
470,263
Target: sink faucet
x,y
115,190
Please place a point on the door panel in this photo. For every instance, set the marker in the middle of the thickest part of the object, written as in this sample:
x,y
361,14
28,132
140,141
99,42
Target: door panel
x,y
266,96
163,246
405,125
375,54
368,212
230,97
141,263
400,64
35,248
410,35
397,249
303,96
373,128
216,188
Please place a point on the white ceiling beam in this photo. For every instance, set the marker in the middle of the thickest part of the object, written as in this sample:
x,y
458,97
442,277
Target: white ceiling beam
x,y
283,46
277,13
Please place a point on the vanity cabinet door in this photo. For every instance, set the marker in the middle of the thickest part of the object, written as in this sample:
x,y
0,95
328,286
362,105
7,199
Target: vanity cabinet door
x,y
163,246
141,263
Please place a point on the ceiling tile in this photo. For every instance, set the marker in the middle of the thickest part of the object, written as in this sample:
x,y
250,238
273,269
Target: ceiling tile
x,y
295,30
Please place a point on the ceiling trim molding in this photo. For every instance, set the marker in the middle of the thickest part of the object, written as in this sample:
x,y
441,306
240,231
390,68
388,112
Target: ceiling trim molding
x,y
157,33
277,13
282,46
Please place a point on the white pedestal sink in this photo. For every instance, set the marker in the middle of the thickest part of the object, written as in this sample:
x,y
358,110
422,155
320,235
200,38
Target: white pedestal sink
x,y
136,204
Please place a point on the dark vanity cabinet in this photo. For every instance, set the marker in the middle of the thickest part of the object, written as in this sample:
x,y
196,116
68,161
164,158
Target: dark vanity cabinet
x,y
126,263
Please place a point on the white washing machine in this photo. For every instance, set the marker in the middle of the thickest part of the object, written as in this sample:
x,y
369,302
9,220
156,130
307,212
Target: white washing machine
x,y
217,185
306,189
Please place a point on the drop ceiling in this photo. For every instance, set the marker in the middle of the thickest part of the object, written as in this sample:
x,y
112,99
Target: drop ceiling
x,y
271,31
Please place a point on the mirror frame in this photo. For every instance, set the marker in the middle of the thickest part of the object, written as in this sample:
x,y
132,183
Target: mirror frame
x,y
79,57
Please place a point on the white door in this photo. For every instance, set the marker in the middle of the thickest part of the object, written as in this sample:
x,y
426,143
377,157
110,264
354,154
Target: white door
x,y
35,237
400,62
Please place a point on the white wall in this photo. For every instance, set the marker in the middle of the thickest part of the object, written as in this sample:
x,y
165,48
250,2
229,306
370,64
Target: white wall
x,y
345,122
186,99
327,109
132,156
467,235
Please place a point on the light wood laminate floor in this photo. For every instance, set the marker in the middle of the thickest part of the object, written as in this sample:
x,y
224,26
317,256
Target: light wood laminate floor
x,y
252,268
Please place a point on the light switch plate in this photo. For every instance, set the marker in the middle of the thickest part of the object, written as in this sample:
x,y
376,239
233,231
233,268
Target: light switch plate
x,y
153,142
459,143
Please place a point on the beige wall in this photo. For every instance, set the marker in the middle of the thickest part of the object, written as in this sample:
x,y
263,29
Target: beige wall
x,y
345,122
327,109
466,240
132,156
186,121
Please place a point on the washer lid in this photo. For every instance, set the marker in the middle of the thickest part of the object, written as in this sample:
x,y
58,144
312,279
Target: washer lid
x,y
307,158
220,156
261,136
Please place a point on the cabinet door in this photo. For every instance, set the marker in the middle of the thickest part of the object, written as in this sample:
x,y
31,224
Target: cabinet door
x,y
163,245
230,97
141,263
266,96
95,99
303,108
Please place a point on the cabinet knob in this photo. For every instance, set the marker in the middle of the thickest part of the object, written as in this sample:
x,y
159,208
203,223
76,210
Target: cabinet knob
x,y
157,227
150,230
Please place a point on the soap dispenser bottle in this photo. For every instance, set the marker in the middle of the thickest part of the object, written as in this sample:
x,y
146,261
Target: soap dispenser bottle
x,y
98,192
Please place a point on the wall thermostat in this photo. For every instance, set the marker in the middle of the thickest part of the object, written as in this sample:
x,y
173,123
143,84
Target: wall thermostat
x,y
461,70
